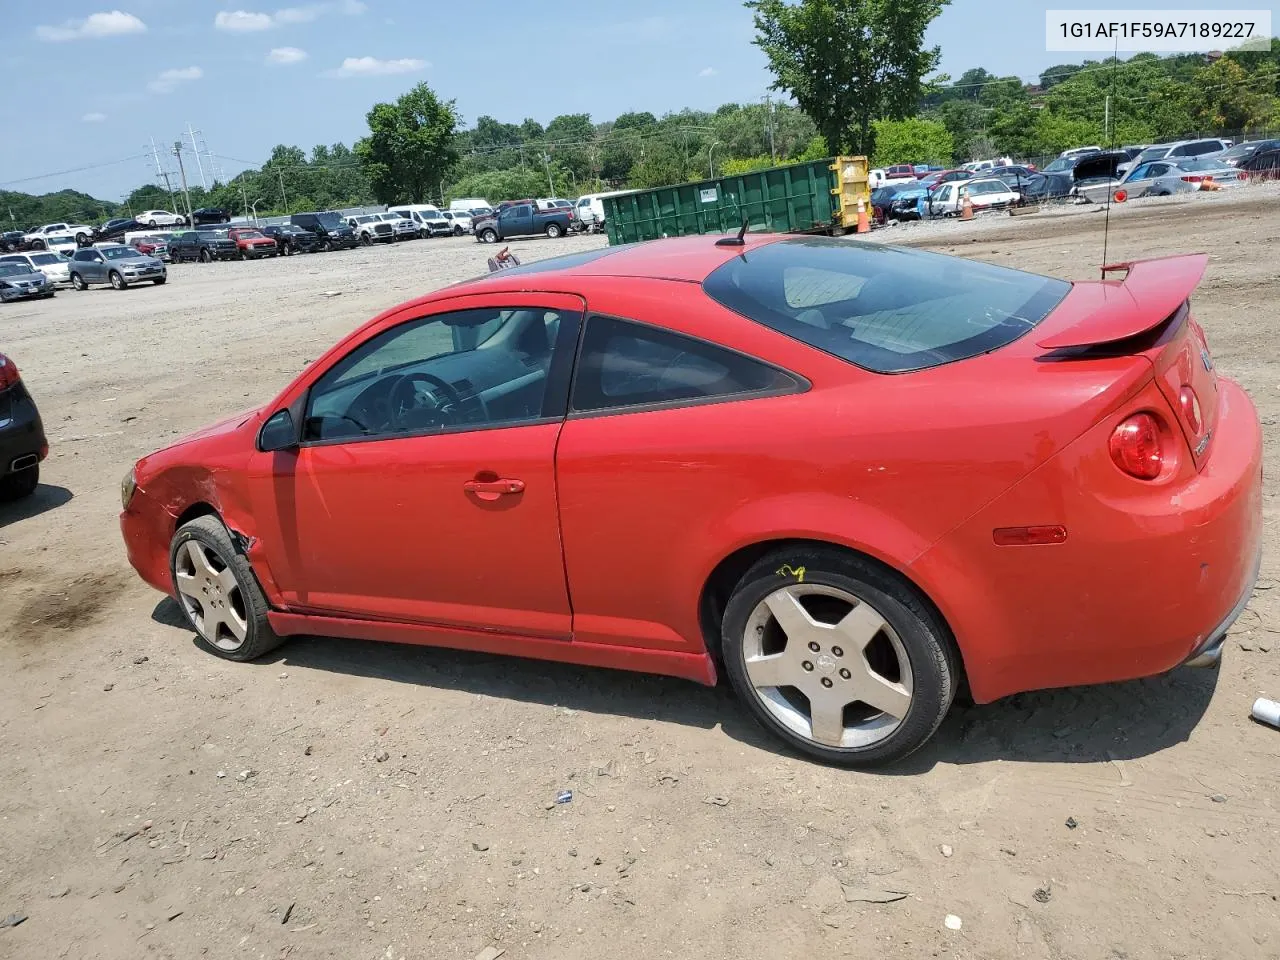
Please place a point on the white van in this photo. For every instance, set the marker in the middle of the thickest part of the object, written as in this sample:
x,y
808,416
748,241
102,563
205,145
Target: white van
x,y
590,208
470,203
427,216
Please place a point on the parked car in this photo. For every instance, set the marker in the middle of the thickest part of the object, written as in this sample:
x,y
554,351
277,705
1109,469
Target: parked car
x,y
1163,178
984,194
882,200
1075,152
846,603
371,228
900,170
21,281
1242,152
115,264
333,232
252,243
63,243
459,221
1181,149
116,229
202,245
54,266
470,204
1036,186
155,245
12,240
945,176
161,218
1263,165
909,202
22,441
478,212
38,239
523,221
290,239
1096,175
405,228
209,215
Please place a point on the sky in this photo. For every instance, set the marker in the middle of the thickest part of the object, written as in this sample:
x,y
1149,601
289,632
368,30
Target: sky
x,y
109,76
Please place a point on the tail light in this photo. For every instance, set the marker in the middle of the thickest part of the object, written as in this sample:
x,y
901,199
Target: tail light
x,y
1194,178
8,373
1190,405
1137,446
1242,175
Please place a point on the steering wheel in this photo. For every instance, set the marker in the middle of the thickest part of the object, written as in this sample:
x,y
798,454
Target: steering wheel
x,y
403,399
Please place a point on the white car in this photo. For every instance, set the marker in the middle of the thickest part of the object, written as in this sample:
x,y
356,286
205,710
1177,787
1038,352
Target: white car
x,y
160,218
55,267
37,238
878,178
406,228
948,200
459,220
64,243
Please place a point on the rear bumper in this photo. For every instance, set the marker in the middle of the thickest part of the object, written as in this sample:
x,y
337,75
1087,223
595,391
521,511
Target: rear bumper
x,y
21,432
1209,653
1149,578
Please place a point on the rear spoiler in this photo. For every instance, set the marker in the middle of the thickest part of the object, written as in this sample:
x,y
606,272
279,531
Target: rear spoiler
x,y
1150,292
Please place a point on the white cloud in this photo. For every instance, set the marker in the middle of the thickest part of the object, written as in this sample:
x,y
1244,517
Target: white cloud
x,y
114,24
373,67
94,117
241,21
708,72
353,8
168,80
286,55
297,14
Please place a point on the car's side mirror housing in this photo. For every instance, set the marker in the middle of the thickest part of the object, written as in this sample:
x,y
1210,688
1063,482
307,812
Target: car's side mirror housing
x,y
278,433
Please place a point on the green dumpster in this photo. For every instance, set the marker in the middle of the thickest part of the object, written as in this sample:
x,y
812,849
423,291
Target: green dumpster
x,y
818,196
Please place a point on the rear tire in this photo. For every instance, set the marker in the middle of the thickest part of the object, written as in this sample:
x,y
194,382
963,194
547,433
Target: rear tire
x,y
117,281
554,232
218,592
15,486
906,656
151,222
37,245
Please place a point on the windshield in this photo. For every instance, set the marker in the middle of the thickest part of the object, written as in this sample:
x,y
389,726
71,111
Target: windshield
x,y
1151,153
1060,165
213,234
44,259
249,235
329,220
119,253
13,269
885,308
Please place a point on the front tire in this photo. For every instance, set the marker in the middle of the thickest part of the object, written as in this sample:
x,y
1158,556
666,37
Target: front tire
x,y
488,236
327,246
218,592
206,256
77,282
15,486
117,281
838,657
160,281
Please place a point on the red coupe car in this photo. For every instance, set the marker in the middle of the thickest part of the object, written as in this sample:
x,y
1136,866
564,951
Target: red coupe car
x,y
852,477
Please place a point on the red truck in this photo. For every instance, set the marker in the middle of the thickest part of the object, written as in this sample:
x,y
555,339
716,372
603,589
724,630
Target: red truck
x,y
253,243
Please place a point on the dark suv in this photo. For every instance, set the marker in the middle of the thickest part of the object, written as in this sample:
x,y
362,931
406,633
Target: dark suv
x,y
22,440
207,215
202,245
291,239
332,231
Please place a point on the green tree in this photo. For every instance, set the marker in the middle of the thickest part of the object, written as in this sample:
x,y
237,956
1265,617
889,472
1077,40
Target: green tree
x,y
848,63
410,146
965,120
1225,96
912,141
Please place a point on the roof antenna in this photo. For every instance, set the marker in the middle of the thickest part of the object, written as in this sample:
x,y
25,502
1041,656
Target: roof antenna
x,y
1111,144
735,241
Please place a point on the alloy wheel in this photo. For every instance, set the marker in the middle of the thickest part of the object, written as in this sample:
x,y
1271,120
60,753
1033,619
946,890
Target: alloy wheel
x,y
211,596
827,665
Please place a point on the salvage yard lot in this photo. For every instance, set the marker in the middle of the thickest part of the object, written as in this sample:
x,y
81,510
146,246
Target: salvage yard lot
x,y
398,802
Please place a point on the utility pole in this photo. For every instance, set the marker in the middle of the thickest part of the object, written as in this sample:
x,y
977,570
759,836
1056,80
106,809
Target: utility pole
x,y
768,107
245,197
1106,122
195,148
177,152
283,198
546,159
162,173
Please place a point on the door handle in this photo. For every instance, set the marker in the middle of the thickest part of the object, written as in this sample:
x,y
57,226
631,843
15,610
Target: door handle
x,y
492,489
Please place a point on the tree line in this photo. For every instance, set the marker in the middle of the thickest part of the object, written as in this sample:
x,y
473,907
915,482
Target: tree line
x,y
834,97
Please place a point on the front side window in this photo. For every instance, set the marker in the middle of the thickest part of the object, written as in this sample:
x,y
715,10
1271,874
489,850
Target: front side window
x,y
884,308
627,364
467,369
84,256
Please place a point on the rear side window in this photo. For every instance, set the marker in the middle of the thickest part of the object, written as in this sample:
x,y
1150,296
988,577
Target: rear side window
x,y
626,364
888,309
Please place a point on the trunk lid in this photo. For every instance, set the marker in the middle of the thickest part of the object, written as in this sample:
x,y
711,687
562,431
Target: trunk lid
x,y
1148,313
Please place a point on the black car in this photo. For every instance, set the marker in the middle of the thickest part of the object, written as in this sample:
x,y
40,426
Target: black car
x,y
291,239
333,232
1262,165
22,440
11,241
117,228
202,245
207,215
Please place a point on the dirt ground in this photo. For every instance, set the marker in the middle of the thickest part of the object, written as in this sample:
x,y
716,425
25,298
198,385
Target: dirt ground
x,y
372,802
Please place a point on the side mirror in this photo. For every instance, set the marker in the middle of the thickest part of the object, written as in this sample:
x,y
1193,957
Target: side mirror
x,y
278,433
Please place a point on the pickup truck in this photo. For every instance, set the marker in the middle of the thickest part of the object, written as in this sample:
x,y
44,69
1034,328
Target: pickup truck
x,y
522,220
202,245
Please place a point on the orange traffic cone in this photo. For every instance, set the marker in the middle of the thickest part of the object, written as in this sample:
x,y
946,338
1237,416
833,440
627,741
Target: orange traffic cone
x,y
966,206
864,225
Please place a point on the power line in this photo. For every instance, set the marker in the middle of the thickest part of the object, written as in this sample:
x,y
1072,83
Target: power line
x,y
62,173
